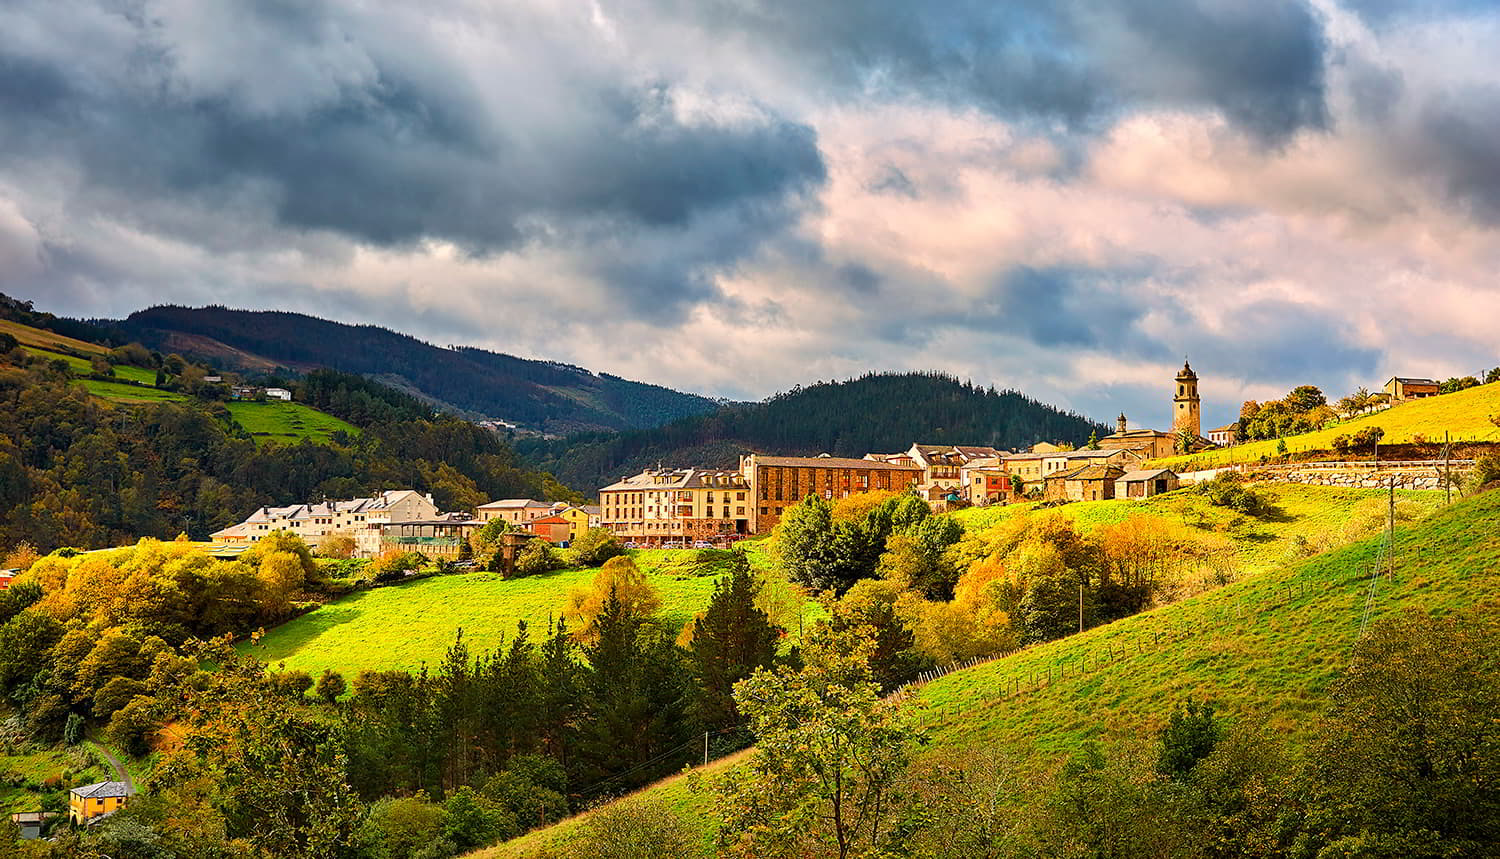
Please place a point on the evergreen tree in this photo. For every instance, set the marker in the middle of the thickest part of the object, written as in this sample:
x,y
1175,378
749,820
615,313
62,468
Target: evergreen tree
x,y
731,638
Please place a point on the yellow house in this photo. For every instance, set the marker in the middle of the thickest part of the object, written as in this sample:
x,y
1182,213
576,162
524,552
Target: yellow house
x,y
90,801
578,520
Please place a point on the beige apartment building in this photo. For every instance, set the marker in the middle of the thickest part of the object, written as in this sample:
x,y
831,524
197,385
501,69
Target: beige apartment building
x,y
677,505
315,522
516,511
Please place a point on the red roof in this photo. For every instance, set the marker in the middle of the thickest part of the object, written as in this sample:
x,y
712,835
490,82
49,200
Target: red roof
x,y
551,520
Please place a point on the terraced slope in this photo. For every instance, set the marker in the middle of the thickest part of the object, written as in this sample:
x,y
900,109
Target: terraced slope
x,y
1264,650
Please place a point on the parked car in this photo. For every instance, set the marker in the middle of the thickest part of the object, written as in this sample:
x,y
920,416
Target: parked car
x,y
703,544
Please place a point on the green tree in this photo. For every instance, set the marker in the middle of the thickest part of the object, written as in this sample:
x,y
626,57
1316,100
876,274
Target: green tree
x,y
731,639
331,685
1093,443
595,546
1410,764
1189,737
277,774
829,751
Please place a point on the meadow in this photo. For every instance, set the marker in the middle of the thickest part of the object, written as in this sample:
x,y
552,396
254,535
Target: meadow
x,y
1304,518
39,766
1264,650
1465,416
401,627
288,423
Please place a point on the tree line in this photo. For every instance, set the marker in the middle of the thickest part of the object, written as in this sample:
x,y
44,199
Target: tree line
x,y
878,412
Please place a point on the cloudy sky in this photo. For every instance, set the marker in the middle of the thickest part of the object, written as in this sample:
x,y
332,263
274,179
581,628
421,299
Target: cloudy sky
x,y
735,196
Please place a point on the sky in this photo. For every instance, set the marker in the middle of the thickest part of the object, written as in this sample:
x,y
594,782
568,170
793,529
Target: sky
x,y
732,197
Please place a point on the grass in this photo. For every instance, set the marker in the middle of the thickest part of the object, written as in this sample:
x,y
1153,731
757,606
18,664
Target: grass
x,y
287,422
1310,512
1265,650
43,339
116,392
1464,415
36,767
400,627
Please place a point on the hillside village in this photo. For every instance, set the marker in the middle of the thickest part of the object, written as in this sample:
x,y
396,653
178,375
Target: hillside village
x,y
456,664
697,507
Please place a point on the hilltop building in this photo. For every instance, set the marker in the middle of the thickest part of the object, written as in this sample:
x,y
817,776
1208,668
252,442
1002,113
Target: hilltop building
x,y
677,505
1400,389
1227,435
778,482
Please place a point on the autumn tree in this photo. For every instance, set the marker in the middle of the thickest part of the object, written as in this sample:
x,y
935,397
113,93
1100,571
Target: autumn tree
x,y
619,579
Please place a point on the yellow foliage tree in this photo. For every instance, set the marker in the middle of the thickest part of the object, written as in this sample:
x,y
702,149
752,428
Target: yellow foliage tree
x,y
619,577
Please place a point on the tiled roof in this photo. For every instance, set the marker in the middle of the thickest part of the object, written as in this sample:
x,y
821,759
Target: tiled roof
x,y
513,504
1096,472
1405,381
679,478
1136,476
102,790
832,462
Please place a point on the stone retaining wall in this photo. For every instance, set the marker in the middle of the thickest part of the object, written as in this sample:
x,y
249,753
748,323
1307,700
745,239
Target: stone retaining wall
x,y
1423,478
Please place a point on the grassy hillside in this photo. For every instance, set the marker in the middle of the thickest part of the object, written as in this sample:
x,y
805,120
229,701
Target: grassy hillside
x,y
1264,650
41,773
287,422
1464,415
1304,515
402,626
51,341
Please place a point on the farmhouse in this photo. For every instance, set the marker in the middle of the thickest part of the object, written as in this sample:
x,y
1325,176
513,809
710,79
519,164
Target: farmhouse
x,y
281,394
6,576
93,800
1085,483
1402,388
1144,484
1226,435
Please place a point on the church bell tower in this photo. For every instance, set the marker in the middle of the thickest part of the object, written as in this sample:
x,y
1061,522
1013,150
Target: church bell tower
x,y
1185,406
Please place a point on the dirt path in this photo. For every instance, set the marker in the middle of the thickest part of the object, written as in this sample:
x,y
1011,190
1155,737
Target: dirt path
x,y
120,773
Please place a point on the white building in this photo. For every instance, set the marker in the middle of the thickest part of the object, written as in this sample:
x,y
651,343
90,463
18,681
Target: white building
x,y
359,518
279,394
516,511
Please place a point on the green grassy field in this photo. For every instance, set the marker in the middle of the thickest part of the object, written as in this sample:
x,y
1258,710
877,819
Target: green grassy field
x,y
402,626
119,393
1264,650
1464,415
287,422
1315,513
35,767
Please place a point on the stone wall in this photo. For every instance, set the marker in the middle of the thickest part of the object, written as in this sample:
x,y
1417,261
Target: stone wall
x,y
1413,478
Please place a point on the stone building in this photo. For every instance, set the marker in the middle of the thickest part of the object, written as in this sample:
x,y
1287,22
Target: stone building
x,y
1146,483
1085,483
1186,406
677,505
778,482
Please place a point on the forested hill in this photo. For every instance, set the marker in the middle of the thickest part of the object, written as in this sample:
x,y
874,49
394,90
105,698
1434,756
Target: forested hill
x,y
541,395
81,470
883,412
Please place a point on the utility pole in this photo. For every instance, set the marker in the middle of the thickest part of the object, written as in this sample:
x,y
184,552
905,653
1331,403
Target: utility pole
x,y
1447,471
1080,606
1390,534
705,748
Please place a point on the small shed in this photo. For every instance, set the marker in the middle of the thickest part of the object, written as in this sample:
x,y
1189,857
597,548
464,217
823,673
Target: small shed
x,y
1146,483
31,823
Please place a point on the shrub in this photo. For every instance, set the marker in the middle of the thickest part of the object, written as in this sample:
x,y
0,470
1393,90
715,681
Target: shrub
x,y
537,557
292,684
395,565
595,546
1486,470
331,685
635,829
1227,489
337,546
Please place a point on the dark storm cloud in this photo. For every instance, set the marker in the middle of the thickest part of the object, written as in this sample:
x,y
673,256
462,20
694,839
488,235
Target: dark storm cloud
x,y
351,138
1260,62
1458,144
